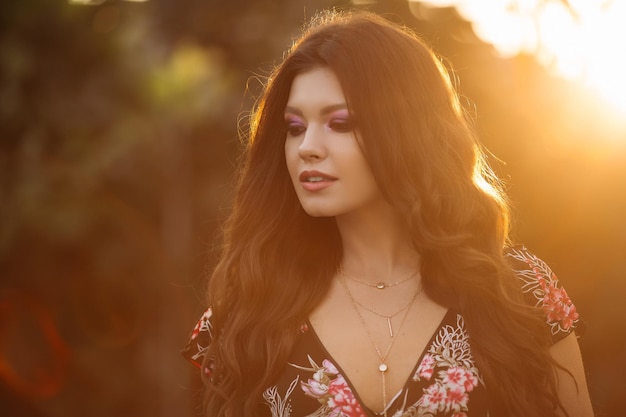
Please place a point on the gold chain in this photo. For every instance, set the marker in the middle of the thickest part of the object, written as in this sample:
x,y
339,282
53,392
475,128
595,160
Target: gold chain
x,y
388,317
381,285
382,367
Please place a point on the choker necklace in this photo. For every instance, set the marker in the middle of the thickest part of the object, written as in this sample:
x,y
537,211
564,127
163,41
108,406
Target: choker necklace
x,y
381,285
382,367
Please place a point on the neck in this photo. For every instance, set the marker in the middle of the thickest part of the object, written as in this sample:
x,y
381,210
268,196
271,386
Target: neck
x,y
377,245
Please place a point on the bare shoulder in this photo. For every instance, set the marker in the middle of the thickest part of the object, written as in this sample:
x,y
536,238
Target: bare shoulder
x,y
572,384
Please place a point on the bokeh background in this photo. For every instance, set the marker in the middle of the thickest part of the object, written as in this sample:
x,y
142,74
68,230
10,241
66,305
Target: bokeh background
x,y
119,129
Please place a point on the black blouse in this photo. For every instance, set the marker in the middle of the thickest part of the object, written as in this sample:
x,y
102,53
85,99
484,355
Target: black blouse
x,y
445,381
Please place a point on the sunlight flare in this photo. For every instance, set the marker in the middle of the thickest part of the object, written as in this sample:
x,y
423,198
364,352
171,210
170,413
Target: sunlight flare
x,y
581,40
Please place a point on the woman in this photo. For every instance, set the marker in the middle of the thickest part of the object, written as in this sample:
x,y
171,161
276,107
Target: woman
x,y
365,268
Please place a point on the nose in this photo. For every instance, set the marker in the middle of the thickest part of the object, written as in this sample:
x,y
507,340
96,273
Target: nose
x,y
312,146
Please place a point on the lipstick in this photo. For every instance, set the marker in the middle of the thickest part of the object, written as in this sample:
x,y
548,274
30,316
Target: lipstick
x,y
315,180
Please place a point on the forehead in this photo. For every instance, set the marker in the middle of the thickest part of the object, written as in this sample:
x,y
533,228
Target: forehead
x,y
315,88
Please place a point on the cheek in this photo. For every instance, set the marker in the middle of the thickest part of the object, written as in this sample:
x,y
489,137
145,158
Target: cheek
x,y
362,173
353,157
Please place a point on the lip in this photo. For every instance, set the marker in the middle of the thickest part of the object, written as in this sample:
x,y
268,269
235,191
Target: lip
x,y
327,180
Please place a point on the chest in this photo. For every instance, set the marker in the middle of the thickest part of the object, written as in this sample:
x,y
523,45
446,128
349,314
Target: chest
x,y
376,354
443,381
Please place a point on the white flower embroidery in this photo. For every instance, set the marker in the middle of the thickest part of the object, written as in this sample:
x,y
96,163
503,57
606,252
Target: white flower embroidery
x,y
331,390
542,283
450,361
280,407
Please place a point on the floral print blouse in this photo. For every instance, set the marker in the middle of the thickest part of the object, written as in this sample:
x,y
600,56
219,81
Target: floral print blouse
x,y
445,381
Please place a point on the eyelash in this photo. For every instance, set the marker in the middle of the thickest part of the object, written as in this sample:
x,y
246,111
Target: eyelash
x,y
339,125
295,128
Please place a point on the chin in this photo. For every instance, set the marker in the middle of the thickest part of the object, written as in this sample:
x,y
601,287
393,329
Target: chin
x,y
317,211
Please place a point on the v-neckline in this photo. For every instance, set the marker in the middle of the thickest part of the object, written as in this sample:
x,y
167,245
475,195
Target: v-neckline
x,y
404,387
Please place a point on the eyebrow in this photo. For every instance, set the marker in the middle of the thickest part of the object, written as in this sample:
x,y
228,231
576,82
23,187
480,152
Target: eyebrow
x,y
323,111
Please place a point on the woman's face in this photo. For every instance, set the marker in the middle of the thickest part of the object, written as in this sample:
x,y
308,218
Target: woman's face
x,y
326,165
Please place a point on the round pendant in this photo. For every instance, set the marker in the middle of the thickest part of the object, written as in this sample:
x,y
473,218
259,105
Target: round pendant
x,y
382,367
380,285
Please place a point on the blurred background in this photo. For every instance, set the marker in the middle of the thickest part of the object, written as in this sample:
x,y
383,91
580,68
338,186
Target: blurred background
x,y
119,137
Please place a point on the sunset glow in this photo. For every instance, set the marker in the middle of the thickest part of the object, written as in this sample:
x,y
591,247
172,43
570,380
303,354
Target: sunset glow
x,y
582,40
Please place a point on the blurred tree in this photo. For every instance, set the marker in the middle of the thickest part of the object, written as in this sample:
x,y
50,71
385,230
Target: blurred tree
x,y
117,127
82,193
118,139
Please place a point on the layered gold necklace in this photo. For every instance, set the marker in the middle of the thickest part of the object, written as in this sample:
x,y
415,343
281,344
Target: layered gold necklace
x,y
382,366
381,286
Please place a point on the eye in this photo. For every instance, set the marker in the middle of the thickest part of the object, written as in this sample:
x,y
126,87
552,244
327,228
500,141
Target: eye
x,y
341,125
295,128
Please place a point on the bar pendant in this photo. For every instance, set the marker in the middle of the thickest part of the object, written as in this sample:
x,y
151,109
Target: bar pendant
x,y
390,328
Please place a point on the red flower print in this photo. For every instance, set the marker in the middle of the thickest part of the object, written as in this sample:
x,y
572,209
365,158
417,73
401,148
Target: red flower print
x,y
341,400
450,365
569,316
471,381
456,399
426,368
558,306
542,283
458,377
202,324
330,388
196,331
455,377
434,398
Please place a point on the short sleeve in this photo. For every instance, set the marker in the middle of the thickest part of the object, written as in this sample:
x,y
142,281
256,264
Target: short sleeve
x,y
199,340
543,290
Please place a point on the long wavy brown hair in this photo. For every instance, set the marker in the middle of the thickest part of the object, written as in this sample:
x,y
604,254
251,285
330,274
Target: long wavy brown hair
x,y
277,262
